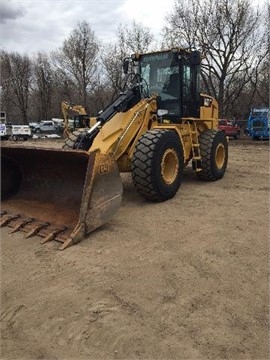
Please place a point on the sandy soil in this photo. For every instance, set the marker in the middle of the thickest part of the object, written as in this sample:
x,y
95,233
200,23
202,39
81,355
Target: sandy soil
x,y
184,279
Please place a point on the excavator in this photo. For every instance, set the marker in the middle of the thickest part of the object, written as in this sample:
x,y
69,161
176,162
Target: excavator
x,y
158,125
80,121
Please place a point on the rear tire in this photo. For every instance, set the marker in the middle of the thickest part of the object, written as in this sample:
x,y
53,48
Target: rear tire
x,y
157,165
214,153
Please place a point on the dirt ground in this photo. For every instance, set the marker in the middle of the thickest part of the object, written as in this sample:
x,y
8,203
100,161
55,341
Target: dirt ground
x,y
183,279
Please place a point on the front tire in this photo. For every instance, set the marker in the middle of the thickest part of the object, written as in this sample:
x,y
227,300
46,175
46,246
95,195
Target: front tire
x,y
214,153
80,139
157,165
71,140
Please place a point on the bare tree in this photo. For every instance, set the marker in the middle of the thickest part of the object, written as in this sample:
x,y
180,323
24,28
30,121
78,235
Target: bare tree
x,y
112,58
136,38
229,35
44,85
129,39
77,60
16,77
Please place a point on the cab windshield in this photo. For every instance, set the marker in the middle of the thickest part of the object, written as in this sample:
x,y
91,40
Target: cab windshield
x,y
260,112
161,72
171,76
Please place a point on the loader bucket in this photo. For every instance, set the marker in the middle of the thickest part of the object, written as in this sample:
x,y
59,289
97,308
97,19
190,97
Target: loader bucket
x,y
58,194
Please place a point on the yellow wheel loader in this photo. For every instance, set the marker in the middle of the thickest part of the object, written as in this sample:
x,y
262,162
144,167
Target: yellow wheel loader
x,y
155,128
79,122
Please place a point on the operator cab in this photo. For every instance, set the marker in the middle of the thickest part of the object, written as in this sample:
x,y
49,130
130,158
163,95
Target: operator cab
x,y
174,76
81,121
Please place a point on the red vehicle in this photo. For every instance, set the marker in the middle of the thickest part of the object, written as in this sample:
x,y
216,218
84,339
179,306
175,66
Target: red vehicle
x,y
229,128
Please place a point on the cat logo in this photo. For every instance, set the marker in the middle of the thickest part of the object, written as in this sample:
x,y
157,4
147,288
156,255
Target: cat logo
x,y
104,168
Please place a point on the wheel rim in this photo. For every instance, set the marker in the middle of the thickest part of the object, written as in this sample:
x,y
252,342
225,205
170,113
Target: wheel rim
x,y
169,166
220,156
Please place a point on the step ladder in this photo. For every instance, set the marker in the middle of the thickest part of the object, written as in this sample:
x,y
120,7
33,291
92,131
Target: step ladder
x,y
195,147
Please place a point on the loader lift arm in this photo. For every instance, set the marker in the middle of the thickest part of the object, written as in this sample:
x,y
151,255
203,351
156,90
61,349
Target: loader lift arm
x,y
123,103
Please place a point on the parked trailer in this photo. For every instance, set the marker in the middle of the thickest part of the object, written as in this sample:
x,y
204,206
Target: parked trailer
x,y
19,132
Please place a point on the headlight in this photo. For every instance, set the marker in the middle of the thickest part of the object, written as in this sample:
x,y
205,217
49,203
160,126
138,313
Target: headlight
x,y
207,101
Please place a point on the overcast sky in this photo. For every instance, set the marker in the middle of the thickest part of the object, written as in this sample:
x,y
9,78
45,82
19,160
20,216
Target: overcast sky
x,y
29,26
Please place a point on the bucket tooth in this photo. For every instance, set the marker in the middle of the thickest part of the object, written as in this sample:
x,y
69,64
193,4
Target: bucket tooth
x,y
7,219
21,224
69,242
36,229
76,236
52,235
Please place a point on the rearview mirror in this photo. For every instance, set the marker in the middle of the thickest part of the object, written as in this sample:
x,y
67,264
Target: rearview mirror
x,y
125,66
195,58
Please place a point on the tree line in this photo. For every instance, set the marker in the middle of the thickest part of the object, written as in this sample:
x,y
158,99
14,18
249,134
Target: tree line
x,y
232,36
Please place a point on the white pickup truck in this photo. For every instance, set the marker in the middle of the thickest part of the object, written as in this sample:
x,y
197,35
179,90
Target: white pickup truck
x,y
18,132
